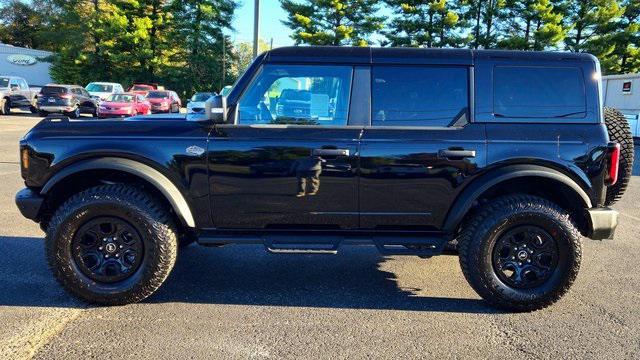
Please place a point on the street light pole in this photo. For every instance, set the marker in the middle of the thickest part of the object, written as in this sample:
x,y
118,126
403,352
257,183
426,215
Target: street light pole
x,y
256,26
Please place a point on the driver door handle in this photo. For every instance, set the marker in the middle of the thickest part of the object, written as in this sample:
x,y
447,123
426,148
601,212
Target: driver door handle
x,y
331,152
456,154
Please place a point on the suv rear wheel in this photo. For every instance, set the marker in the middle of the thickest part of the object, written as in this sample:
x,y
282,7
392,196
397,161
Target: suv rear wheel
x,y
520,252
111,244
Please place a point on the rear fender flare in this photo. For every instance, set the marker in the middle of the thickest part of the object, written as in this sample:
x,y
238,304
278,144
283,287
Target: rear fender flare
x,y
474,191
146,172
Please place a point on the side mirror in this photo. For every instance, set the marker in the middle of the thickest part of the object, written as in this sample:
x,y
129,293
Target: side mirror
x,y
15,87
216,109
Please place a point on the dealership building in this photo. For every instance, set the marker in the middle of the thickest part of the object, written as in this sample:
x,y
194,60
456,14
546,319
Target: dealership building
x,y
27,63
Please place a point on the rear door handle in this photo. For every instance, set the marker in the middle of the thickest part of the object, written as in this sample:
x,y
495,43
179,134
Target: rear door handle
x,y
456,154
331,152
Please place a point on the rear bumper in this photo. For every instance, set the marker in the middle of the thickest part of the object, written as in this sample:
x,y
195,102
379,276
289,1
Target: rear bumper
x,y
603,223
56,108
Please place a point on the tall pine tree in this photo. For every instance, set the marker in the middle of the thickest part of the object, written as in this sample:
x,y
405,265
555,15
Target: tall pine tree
x,y
332,22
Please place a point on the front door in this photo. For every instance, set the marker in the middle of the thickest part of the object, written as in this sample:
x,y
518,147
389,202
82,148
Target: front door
x,y
289,160
420,149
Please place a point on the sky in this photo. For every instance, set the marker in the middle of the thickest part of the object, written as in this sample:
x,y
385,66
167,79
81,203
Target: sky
x,y
271,16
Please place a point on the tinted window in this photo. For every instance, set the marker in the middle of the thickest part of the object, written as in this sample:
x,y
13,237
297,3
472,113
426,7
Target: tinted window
x,y
158,95
298,94
53,90
419,96
537,92
4,82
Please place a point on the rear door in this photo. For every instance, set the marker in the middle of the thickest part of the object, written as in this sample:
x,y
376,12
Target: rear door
x,y
288,161
421,147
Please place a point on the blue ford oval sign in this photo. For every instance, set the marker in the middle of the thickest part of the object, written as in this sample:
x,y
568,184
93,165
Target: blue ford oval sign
x,y
21,59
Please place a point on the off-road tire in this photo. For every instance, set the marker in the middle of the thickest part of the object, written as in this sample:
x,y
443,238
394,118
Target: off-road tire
x,y
145,213
619,131
478,238
5,106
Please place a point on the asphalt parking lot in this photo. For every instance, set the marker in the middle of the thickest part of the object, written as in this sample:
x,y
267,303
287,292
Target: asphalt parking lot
x,y
240,302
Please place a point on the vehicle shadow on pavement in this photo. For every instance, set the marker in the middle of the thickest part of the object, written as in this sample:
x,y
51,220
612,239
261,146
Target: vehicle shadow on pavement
x,y
25,279
247,275
240,275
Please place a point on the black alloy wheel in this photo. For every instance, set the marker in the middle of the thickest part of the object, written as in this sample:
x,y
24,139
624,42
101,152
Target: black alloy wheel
x,y
107,249
525,257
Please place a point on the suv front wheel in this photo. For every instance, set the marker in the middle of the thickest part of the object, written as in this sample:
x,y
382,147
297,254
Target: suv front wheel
x,y
111,244
520,252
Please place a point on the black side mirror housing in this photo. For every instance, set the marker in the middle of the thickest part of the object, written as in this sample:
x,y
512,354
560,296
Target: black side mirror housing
x,y
216,109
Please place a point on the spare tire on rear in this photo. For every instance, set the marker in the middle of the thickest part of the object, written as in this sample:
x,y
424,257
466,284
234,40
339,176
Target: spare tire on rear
x,y
619,132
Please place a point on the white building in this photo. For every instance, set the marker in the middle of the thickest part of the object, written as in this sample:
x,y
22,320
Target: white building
x,y
26,63
623,93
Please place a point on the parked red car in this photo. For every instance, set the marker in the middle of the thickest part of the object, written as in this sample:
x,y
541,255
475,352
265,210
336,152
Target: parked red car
x,y
164,101
127,104
143,89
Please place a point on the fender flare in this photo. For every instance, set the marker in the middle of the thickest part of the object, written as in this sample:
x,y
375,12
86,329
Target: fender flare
x,y
146,172
469,195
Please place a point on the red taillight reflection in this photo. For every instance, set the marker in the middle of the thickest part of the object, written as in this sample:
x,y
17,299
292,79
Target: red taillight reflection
x,y
65,96
614,163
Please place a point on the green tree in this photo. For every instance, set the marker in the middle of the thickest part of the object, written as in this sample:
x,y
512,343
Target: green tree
x,y
332,22
587,19
482,15
23,24
204,55
618,43
244,55
531,25
421,23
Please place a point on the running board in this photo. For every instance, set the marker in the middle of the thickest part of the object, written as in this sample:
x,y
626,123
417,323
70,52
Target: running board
x,y
424,245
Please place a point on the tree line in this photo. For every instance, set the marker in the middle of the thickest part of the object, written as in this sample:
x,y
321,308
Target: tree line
x,y
177,43
182,43
609,29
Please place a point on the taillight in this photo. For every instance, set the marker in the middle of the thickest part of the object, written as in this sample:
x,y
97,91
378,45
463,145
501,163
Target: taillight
x,y
614,163
66,96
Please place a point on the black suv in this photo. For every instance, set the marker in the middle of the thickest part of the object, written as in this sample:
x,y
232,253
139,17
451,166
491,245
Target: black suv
x,y
509,155
71,100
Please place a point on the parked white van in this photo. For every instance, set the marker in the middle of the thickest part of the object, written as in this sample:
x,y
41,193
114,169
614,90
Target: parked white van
x,y
623,93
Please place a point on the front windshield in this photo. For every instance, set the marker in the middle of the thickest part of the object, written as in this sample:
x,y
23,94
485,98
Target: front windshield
x,y
158,95
120,98
4,82
201,96
99,88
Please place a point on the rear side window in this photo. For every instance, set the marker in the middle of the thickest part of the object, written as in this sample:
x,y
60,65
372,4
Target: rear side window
x,y
419,95
53,90
538,92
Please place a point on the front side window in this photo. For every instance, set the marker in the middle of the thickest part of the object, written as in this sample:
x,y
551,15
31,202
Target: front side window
x,y
298,94
419,95
538,92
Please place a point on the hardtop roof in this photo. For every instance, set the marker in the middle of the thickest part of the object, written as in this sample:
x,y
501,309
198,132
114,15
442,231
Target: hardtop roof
x,y
406,55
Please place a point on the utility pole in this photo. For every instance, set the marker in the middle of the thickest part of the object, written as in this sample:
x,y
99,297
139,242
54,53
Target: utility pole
x,y
256,27
271,44
224,61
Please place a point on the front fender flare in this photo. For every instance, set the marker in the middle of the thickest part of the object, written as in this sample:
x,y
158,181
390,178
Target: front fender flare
x,y
466,199
146,172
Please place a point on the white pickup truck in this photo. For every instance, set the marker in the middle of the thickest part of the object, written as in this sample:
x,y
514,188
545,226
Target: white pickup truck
x,y
15,93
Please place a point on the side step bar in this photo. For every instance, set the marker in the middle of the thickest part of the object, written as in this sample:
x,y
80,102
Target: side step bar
x,y
419,245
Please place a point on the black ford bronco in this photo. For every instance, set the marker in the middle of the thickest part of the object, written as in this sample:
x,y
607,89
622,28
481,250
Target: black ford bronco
x,y
509,156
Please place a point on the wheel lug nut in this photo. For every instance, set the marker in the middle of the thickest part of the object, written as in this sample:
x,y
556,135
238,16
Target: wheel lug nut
x,y
520,263
106,256
117,255
525,245
528,260
100,248
121,246
513,258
